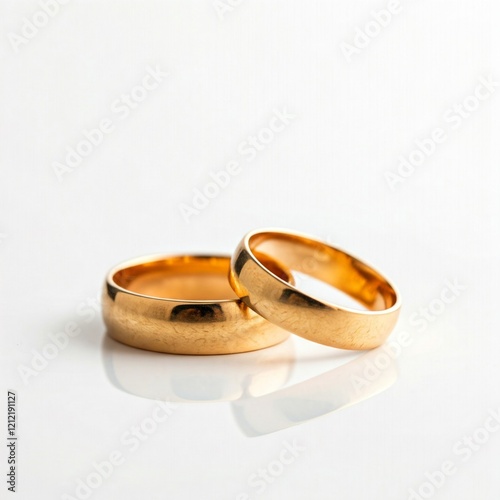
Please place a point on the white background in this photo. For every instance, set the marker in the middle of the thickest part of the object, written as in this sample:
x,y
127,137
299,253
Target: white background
x,y
324,174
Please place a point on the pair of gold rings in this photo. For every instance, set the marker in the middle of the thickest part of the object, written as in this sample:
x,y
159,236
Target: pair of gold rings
x,y
200,304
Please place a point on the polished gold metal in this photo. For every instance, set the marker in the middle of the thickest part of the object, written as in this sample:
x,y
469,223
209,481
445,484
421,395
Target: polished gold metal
x,y
183,305
285,305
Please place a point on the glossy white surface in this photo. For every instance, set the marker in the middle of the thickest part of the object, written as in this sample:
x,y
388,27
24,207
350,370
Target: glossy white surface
x,y
266,424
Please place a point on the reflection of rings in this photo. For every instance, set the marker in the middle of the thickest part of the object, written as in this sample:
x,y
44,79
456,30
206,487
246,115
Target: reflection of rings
x,y
168,377
346,385
285,305
183,305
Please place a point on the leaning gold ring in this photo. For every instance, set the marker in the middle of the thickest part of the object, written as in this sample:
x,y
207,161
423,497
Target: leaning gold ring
x,y
183,305
283,304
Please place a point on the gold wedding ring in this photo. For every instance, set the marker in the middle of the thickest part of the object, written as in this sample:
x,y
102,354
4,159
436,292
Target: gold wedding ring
x,y
283,304
184,305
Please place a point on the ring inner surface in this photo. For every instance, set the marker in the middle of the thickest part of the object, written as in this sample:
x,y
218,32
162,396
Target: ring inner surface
x,y
327,264
181,278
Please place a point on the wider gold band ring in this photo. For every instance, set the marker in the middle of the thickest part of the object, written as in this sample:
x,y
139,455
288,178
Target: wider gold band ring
x,y
317,320
183,305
